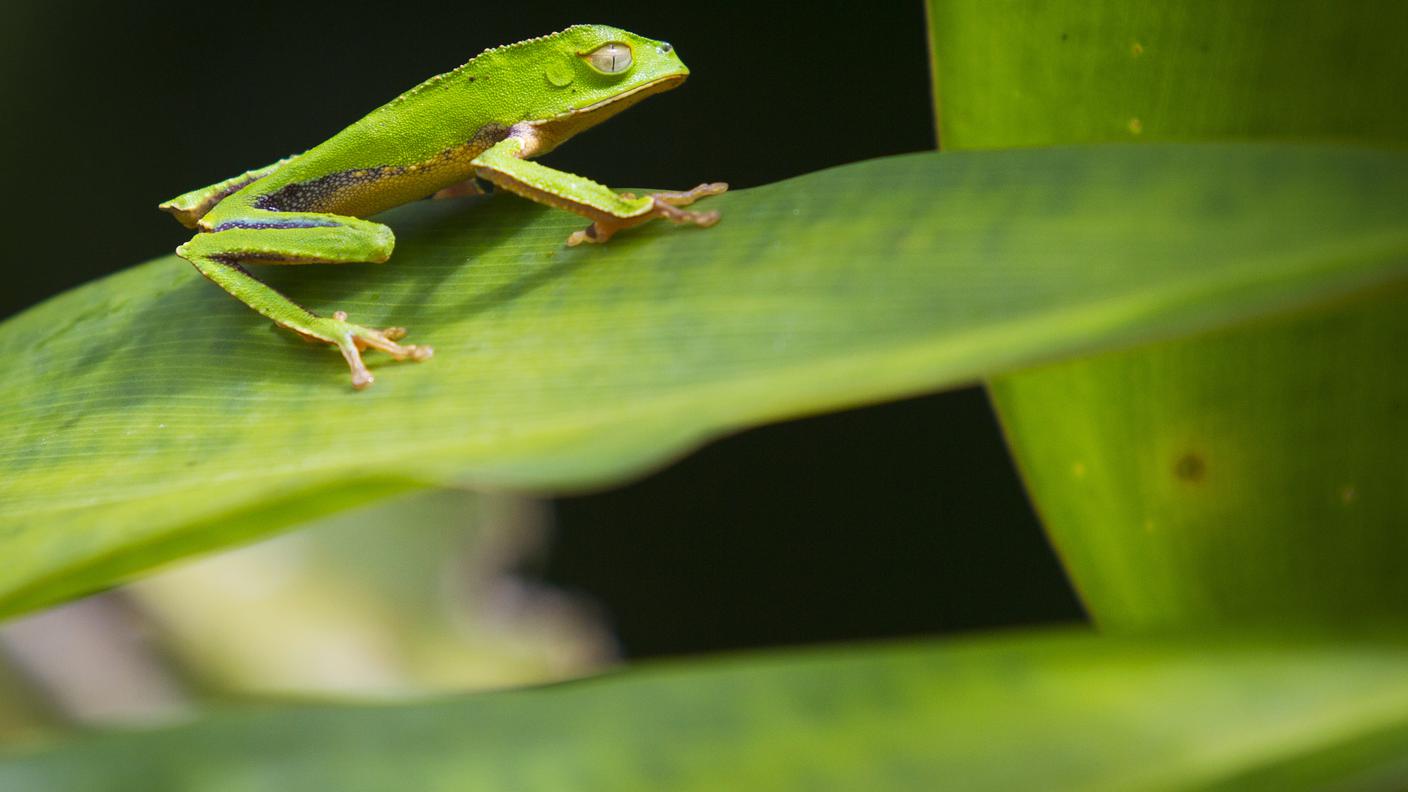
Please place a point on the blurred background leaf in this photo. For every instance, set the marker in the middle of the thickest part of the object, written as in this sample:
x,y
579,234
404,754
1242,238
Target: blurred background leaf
x,y
413,596
1244,479
1054,712
1012,73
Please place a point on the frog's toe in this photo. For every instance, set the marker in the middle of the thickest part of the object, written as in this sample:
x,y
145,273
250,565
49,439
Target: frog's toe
x,y
679,216
690,196
352,339
594,234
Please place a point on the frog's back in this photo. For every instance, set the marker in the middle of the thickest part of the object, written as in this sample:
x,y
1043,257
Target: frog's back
x,y
407,149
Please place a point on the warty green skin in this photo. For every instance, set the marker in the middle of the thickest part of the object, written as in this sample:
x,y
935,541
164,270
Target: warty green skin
x,y
483,120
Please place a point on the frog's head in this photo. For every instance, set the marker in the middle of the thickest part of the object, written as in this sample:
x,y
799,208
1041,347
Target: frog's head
x,y
593,72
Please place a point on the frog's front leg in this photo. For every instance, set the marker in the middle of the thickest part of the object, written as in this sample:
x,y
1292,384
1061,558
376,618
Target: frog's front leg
x,y
299,238
609,211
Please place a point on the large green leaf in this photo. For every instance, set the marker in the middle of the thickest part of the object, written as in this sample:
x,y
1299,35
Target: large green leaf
x,y
1055,712
1251,478
148,415
1016,73
1255,476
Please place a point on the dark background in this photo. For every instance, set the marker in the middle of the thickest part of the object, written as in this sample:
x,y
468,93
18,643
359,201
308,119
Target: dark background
x,y
898,519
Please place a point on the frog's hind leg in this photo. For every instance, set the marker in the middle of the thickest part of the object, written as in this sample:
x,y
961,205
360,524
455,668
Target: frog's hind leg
x,y
275,238
190,207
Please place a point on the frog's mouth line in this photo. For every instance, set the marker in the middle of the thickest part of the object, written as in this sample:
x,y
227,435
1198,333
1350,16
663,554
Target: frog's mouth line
x,y
555,129
629,97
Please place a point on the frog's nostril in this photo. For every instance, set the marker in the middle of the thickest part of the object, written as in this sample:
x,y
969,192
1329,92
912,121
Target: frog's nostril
x,y
665,47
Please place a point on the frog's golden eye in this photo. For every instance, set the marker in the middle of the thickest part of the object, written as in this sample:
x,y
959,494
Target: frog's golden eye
x,y
613,58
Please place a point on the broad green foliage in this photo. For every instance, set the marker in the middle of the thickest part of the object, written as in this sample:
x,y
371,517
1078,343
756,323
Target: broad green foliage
x,y
1207,515
1016,73
151,416
1250,479
1254,470
1053,712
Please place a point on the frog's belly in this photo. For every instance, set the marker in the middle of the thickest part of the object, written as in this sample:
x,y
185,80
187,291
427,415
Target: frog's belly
x,y
361,192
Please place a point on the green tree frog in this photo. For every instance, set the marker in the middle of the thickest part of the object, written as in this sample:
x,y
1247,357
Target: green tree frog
x,y
484,120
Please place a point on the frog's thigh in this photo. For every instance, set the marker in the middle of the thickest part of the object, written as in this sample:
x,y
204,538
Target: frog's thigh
x,y
295,238
192,206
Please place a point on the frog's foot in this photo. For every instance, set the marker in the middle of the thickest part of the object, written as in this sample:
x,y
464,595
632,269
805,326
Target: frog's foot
x,y
352,339
664,204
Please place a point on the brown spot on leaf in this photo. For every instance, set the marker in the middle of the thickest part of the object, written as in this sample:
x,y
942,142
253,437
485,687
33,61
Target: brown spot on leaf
x,y
1191,468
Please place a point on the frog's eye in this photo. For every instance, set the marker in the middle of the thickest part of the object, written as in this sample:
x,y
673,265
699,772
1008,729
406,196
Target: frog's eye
x,y
613,58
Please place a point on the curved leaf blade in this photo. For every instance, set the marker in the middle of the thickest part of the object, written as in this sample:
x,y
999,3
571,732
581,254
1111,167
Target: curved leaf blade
x,y
1247,478
149,416
1058,712
1009,73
